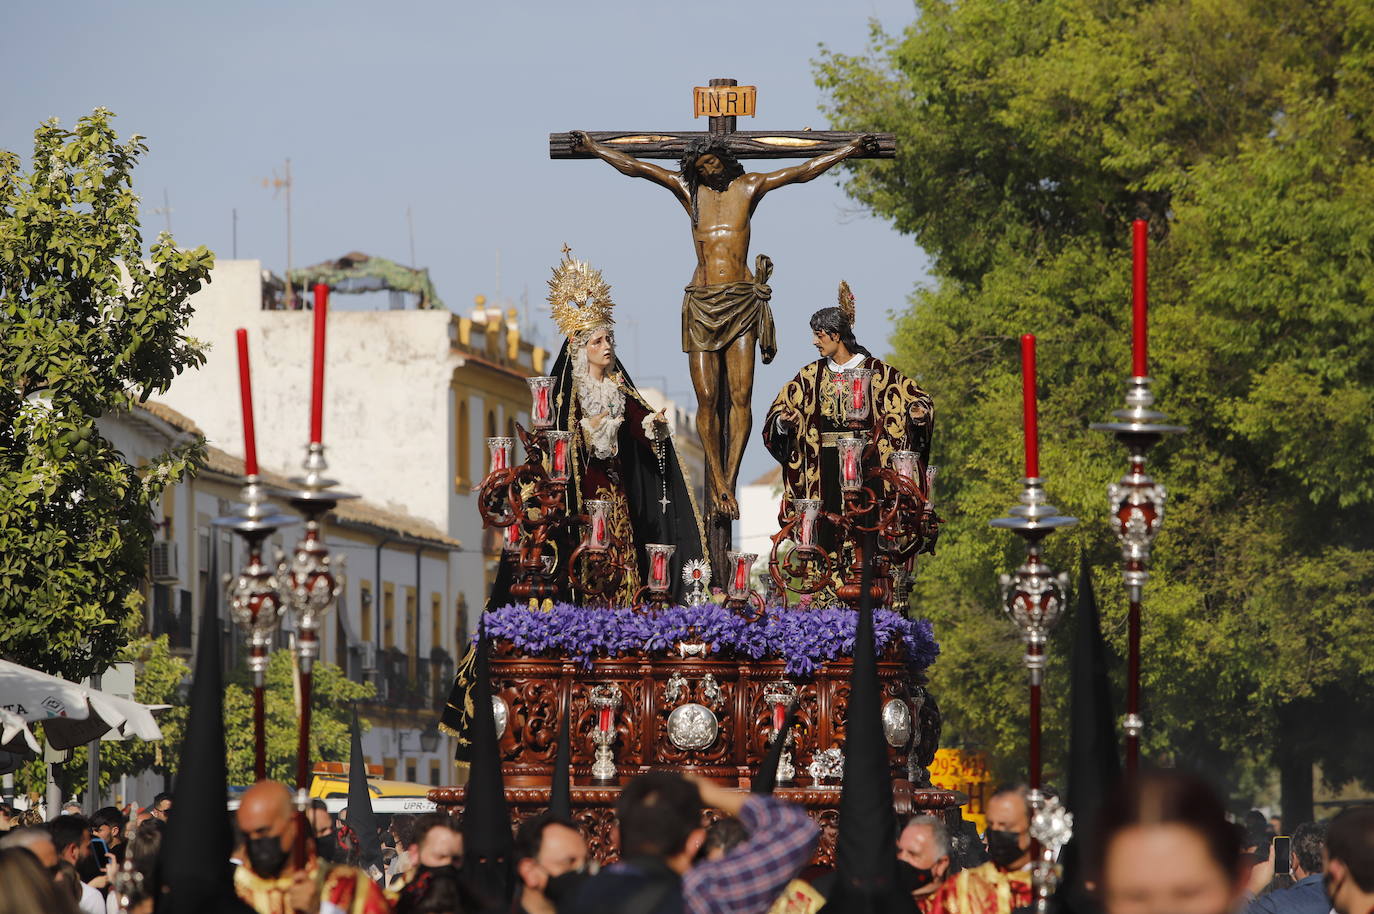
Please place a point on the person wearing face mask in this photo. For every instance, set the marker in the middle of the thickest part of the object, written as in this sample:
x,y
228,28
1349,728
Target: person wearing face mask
x,y
271,882
551,861
434,884
1003,883
923,859
322,826
1348,871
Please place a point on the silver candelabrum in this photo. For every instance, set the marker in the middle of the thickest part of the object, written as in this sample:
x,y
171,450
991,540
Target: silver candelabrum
x,y
1033,597
1136,506
306,584
255,598
606,699
312,580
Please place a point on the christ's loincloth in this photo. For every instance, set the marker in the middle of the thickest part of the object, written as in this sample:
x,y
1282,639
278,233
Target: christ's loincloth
x,y
714,316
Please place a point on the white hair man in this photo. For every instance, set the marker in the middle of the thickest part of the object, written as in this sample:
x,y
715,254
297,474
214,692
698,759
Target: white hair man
x,y
923,851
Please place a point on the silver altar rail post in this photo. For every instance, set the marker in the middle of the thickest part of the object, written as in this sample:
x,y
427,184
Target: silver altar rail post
x,y
1033,597
1136,506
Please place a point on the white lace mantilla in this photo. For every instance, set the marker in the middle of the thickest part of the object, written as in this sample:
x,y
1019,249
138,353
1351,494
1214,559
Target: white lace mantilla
x,y
602,398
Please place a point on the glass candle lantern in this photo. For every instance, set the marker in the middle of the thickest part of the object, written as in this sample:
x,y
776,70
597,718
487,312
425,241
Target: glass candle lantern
x,y
851,452
855,392
931,473
904,463
809,510
510,538
741,564
598,510
541,400
659,554
500,450
559,459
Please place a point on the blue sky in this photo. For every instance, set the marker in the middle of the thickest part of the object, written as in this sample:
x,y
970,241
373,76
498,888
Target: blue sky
x,y
445,108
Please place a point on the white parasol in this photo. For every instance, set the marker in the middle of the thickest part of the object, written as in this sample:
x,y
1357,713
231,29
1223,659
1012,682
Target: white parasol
x,y
72,715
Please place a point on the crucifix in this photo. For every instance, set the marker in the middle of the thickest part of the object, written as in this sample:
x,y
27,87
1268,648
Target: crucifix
x,y
725,311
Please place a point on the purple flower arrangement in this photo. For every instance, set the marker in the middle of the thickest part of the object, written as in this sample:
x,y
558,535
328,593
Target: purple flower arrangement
x,y
803,638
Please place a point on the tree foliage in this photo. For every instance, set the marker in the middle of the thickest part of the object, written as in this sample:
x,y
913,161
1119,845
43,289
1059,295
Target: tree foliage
x,y
331,691
1030,134
89,326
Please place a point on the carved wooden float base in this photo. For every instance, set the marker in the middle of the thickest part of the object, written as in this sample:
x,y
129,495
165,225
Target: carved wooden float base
x,y
594,810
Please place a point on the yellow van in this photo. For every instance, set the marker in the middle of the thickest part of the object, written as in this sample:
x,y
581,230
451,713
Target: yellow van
x,y
330,783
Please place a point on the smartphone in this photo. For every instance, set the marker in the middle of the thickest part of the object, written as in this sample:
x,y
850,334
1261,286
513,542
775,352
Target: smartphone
x,y
1283,855
99,850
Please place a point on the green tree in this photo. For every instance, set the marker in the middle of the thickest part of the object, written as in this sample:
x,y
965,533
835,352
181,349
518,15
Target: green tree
x,y
331,692
89,326
1030,134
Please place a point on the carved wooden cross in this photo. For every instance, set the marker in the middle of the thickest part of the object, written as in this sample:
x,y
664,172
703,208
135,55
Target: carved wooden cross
x,y
747,144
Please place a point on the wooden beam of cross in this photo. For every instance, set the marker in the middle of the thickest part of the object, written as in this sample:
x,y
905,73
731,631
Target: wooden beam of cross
x,y
723,95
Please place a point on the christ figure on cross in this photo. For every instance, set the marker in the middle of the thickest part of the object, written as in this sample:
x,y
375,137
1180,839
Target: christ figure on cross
x,y
725,311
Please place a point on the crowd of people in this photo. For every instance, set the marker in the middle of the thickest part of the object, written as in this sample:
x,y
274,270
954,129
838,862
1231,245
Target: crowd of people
x,y
1163,846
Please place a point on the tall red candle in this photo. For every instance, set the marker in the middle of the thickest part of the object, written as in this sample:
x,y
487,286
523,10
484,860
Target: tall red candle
x,y
1140,297
604,721
1029,414
250,438
779,716
317,378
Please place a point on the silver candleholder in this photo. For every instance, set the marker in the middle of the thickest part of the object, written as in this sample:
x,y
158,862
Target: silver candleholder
x,y
1051,827
254,595
606,699
312,580
1136,506
784,693
1033,598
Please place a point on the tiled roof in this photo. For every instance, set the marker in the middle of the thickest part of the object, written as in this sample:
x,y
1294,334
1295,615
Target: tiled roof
x,y
353,513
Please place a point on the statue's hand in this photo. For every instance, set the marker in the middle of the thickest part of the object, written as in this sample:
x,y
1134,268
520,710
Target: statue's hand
x,y
580,140
868,143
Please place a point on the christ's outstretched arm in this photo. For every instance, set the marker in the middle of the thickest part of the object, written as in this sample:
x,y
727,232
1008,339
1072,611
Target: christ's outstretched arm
x,y
814,168
629,165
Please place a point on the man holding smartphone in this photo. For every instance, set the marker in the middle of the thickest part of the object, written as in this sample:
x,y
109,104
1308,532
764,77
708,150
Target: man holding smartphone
x,y
1300,856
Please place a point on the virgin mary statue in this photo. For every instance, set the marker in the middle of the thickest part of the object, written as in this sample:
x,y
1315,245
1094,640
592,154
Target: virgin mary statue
x,y
623,452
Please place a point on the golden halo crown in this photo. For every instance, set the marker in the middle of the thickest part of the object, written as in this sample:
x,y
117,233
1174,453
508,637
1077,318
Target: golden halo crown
x,y
579,298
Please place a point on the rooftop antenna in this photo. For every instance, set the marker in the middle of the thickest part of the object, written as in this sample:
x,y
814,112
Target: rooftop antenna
x,y
165,210
278,184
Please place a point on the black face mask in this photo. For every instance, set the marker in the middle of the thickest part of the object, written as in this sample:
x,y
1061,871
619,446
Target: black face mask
x,y
448,869
564,886
266,856
327,847
1004,847
913,878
